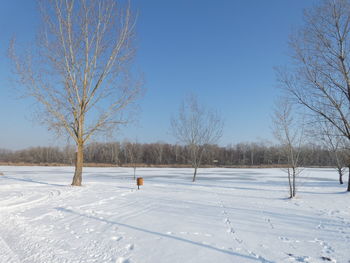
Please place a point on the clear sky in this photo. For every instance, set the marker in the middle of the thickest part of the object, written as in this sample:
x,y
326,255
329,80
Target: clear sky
x,y
222,50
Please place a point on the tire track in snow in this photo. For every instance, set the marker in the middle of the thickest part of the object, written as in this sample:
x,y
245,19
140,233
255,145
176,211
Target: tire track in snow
x,y
38,243
27,202
10,199
28,243
7,254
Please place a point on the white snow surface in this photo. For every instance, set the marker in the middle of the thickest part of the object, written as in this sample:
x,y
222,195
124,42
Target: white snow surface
x,y
228,215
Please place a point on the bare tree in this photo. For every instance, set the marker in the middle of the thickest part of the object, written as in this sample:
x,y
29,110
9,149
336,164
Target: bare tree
x,y
158,151
289,133
114,152
196,127
335,143
320,76
80,72
133,151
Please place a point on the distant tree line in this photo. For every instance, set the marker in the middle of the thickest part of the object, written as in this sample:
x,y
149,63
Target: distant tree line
x,y
127,153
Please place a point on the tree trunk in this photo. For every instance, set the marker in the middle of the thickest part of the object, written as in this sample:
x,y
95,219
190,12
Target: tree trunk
x,y
78,165
349,180
340,175
294,187
290,184
134,173
195,173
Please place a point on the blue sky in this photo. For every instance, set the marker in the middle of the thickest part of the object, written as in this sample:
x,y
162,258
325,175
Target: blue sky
x,y
224,51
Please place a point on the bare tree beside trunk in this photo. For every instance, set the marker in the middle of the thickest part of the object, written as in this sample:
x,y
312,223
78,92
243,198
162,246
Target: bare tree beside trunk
x,y
79,72
319,77
289,133
334,142
197,128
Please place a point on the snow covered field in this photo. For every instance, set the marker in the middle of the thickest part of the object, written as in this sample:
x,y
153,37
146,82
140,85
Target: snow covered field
x,y
228,215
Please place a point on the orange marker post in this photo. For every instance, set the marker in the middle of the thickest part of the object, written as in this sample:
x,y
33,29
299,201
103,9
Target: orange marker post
x,y
139,182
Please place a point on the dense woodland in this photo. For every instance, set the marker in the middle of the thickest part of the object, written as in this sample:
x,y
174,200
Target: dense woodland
x,y
126,153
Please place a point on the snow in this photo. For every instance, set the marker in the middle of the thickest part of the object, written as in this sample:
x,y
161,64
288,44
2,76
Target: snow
x,y
228,215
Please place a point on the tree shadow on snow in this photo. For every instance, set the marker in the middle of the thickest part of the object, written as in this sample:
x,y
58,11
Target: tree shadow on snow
x,y
33,181
163,235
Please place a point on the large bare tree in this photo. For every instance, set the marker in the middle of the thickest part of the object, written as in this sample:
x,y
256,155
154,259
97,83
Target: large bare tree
x,y
320,76
289,131
197,128
79,71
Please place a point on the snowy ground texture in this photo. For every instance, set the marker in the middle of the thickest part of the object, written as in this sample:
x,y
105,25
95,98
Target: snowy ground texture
x,y
228,215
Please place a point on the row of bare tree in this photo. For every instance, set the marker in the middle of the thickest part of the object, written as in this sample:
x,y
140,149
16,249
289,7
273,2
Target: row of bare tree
x,y
128,153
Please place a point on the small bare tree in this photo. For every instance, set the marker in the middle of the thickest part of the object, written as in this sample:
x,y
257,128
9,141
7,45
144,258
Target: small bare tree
x,y
133,151
196,127
319,78
80,71
289,133
334,142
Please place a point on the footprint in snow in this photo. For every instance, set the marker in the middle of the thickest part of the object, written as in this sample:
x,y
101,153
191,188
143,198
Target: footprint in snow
x,y
268,220
122,260
328,259
231,230
89,230
116,238
333,212
263,246
130,247
240,241
299,258
320,226
257,256
194,233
